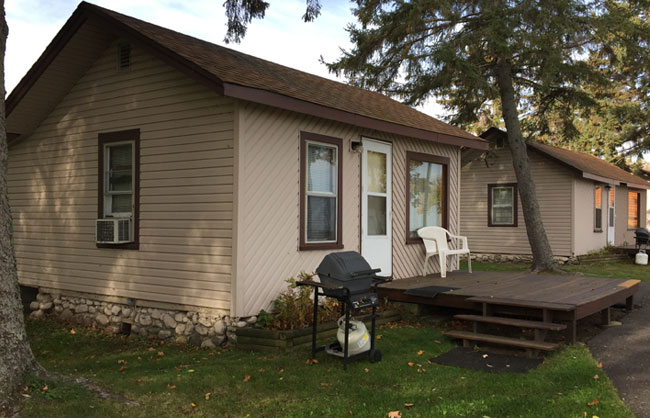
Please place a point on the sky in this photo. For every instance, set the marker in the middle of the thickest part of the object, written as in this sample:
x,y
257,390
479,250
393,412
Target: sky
x,y
281,37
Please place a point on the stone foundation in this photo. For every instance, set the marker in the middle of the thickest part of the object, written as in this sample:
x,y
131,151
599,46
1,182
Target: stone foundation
x,y
196,328
519,258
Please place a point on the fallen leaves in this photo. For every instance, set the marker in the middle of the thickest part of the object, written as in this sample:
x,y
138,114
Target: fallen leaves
x,y
592,403
420,352
366,370
247,378
596,377
394,414
190,370
311,361
600,365
408,404
411,364
437,341
324,384
207,396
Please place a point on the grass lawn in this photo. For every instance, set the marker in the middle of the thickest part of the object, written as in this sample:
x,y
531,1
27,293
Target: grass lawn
x,y
172,381
614,270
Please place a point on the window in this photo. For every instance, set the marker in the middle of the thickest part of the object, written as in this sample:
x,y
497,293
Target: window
x,y
320,192
427,193
612,205
118,179
502,204
633,210
598,209
499,142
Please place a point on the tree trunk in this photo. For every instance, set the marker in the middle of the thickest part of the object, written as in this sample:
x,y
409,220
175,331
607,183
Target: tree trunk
x,y
16,358
542,253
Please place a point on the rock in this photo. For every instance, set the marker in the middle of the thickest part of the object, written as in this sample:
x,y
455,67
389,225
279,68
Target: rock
x,y
179,317
205,321
115,310
116,319
164,334
241,324
208,344
189,328
169,321
65,305
201,330
37,314
35,306
43,297
195,318
46,306
251,320
156,314
181,339
196,340
220,327
107,310
126,312
219,339
143,332
81,308
145,320
180,329
92,309
157,323
57,301
58,309
66,315
102,319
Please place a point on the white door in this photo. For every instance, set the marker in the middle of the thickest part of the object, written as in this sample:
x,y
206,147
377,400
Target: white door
x,y
611,214
376,231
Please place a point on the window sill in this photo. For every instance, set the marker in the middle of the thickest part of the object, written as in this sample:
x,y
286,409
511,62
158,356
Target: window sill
x,y
129,246
504,226
324,246
598,230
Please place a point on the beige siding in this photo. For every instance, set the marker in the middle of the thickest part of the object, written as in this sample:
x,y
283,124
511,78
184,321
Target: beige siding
x,y
268,194
554,185
186,189
586,239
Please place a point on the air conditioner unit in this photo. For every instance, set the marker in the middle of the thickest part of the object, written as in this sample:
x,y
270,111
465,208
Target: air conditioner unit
x,y
114,231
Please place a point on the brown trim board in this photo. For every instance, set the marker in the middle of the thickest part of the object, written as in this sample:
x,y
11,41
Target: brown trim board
x,y
337,142
308,108
118,136
429,158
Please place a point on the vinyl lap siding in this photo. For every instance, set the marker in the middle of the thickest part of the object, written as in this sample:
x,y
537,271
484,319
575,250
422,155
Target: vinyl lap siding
x,y
186,188
554,185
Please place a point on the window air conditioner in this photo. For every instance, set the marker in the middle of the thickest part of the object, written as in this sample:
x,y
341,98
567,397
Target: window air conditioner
x,y
114,231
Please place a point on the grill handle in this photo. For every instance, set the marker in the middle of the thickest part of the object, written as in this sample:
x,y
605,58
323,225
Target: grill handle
x,y
364,272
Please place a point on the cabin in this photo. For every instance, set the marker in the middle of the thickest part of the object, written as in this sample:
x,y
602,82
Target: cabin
x,y
155,177
585,202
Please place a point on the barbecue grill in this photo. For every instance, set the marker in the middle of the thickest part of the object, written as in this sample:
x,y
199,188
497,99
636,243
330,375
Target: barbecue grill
x,y
347,277
642,237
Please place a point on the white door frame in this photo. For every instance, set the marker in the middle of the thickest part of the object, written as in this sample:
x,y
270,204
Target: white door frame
x,y
377,249
611,216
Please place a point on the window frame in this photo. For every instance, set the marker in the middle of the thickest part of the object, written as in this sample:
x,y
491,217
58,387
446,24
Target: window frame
x,y
638,209
602,191
305,139
515,205
115,138
428,158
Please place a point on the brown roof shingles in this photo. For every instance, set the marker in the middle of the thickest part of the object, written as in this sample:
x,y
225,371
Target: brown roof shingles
x,y
238,68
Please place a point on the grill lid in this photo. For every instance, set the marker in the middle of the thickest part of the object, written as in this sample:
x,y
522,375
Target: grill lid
x,y
344,266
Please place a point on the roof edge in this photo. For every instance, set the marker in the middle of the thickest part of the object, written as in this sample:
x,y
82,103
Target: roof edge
x,y
280,101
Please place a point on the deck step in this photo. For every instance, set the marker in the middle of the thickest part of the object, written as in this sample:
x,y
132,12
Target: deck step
x,y
521,323
522,303
493,339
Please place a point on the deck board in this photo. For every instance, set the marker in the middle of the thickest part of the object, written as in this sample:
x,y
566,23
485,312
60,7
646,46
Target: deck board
x,y
588,294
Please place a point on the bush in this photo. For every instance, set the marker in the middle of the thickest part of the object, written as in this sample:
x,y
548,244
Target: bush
x,y
294,308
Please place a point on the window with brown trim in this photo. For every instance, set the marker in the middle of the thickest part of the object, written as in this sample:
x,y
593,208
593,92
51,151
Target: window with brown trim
x,y
598,209
321,184
427,193
502,204
633,210
118,188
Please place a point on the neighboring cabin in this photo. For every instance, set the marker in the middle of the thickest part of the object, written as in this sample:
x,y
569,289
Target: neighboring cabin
x,y
585,202
225,174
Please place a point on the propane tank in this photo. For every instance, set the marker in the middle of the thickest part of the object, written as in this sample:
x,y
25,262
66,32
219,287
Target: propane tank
x,y
358,338
641,258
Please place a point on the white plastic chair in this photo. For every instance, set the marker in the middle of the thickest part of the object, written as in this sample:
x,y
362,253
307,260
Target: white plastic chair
x,y
435,243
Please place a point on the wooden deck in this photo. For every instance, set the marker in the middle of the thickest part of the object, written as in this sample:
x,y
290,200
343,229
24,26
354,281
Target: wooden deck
x,y
564,299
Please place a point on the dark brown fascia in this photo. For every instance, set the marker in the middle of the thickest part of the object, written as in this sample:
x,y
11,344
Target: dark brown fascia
x,y
300,106
194,71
